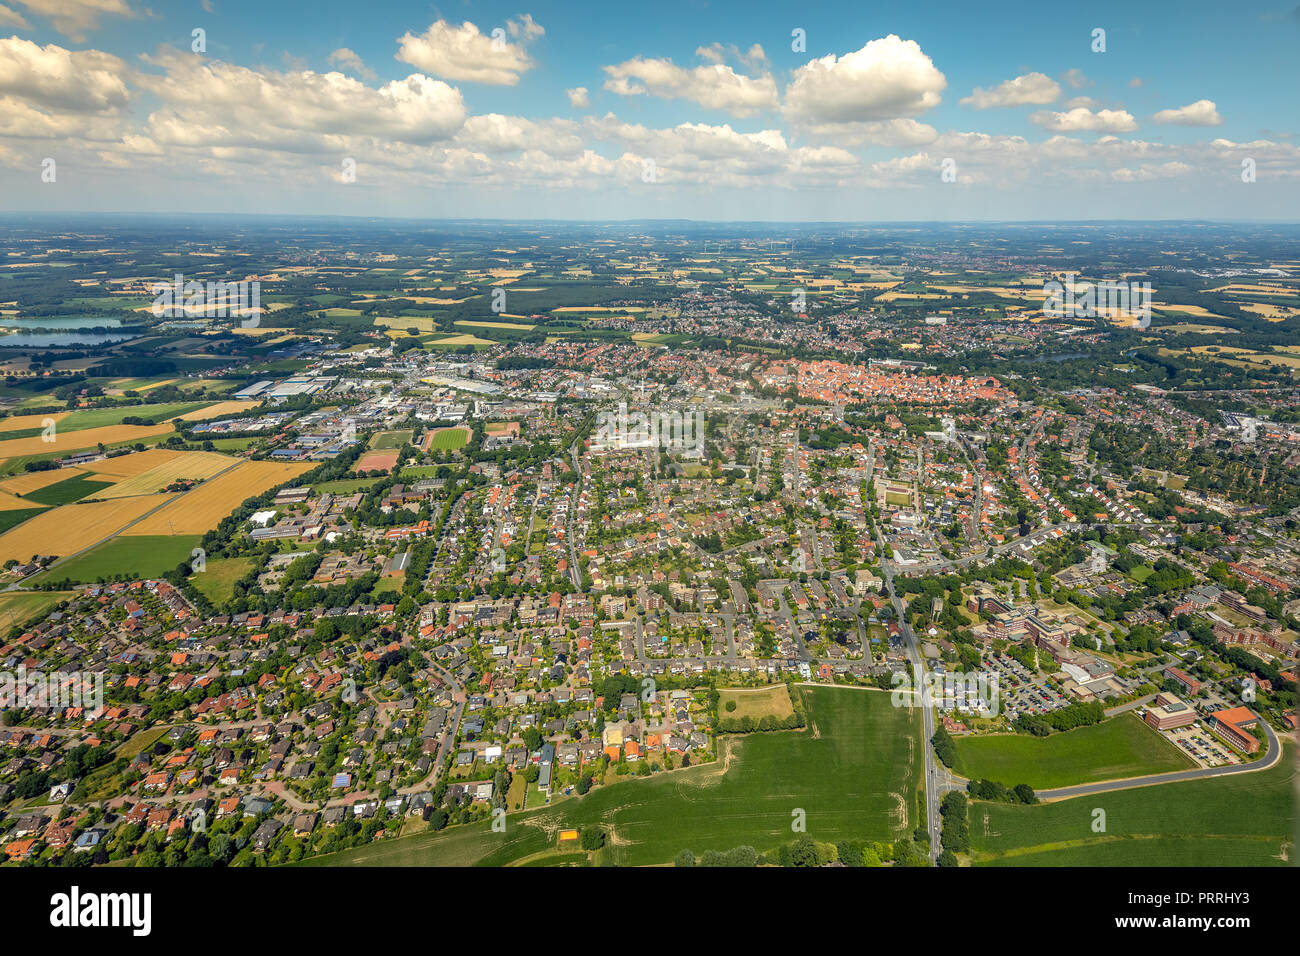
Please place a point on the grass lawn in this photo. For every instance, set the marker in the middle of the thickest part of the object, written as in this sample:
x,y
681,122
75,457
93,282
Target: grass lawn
x,y
1238,820
142,556
853,770
1114,749
67,491
217,581
759,703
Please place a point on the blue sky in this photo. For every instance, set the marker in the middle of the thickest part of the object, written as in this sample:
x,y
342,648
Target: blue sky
x,y
673,110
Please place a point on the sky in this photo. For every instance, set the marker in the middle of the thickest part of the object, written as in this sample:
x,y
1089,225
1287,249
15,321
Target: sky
x,y
857,111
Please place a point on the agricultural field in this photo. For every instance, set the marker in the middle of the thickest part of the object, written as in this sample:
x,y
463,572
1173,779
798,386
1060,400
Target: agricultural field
x,y
136,556
762,702
203,508
68,490
68,441
19,607
1237,820
854,769
186,465
1121,747
72,528
219,410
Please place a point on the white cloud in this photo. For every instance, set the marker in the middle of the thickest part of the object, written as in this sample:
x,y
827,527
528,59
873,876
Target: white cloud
x,y
495,133
714,85
463,53
886,79
1200,113
348,60
75,18
1081,119
51,77
894,132
216,104
578,98
1031,89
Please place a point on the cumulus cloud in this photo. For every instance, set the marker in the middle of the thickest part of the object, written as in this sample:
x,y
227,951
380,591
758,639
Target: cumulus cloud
x,y
1031,89
1082,119
75,18
494,133
895,132
78,81
463,53
1075,79
886,79
1200,113
346,59
578,98
216,104
714,85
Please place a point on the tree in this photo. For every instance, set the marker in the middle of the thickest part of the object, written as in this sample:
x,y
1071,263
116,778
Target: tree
x,y
592,837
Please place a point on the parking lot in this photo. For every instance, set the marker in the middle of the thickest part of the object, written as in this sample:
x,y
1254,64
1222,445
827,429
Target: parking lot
x,y
1022,691
1202,746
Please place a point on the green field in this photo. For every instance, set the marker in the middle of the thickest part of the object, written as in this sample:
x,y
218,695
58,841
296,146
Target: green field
x,y
19,607
394,439
344,486
1241,819
853,770
1112,750
67,491
85,418
217,580
450,439
141,556
13,517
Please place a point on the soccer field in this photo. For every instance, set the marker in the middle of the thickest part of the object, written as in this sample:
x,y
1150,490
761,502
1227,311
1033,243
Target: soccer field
x,y
854,771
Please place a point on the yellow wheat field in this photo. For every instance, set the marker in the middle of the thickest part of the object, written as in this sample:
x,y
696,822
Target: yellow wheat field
x,y
19,422
66,443
203,508
10,502
199,465
28,482
136,463
71,528
218,410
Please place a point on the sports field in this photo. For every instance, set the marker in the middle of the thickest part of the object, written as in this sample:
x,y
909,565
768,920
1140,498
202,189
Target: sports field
x,y
393,439
1114,749
854,770
1237,820
447,439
